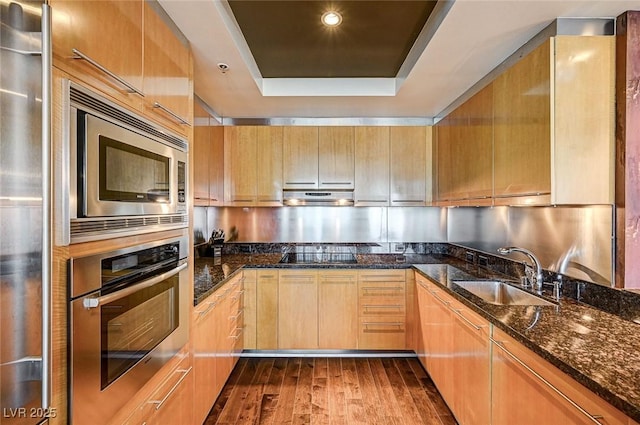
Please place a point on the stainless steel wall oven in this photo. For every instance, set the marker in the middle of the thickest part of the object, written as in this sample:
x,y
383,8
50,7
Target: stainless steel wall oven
x,y
126,175
128,316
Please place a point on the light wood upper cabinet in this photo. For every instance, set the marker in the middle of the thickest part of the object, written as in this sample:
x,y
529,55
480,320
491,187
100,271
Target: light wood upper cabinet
x,y
108,33
201,155
168,81
410,179
336,157
464,150
542,392
253,165
240,165
337,309
300,157
269,165
371,166
554,119
522,126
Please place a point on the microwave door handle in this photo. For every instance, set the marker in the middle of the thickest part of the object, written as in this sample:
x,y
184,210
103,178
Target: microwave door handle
x,y
95,302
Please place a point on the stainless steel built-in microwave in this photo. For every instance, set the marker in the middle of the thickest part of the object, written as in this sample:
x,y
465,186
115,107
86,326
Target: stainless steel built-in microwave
x,y
127,175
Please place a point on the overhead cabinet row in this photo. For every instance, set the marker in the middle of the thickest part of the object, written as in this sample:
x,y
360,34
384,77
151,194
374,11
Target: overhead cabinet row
x,y
541,133
381,165
128,51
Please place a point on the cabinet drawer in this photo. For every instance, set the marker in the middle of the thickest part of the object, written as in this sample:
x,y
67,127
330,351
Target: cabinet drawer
x,y
388,307
386,333
380,290
381,276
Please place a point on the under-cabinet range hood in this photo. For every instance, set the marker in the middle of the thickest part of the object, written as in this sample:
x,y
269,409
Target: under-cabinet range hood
x,y
318,197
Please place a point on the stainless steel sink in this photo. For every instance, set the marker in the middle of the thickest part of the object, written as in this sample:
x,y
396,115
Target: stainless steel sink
x,y
500,293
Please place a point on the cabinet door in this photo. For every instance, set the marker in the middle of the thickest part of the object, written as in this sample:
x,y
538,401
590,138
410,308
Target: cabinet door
x,y
300,157
298,310
336,157
439,344
201,149
249,309
269,165
267,310
338,310
240,165
167,82
541,392
204,358
471,401
522,126
371,166
410,167
422,317
464,150
110,34
216,165
172,403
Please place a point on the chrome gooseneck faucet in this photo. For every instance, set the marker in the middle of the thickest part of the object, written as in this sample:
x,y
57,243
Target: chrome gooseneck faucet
x,y
535,280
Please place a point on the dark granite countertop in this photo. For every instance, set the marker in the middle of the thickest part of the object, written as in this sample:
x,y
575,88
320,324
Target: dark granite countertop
x,y
598,349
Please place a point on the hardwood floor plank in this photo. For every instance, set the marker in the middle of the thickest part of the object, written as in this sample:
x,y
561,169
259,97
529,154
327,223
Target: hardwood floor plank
x,y
430,388
328,391
405,402
223,397
320,395
271,396
284,411
304,390
422,401
237,397
389,404
335,385
350,379
253,401
370,396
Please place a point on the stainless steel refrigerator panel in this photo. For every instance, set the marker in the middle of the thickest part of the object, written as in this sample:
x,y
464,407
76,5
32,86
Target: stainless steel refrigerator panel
x,y
23,207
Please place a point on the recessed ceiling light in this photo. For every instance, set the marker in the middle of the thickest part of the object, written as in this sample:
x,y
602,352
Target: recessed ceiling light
x,y
331,18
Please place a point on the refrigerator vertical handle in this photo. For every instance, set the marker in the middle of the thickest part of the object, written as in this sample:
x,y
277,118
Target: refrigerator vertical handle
x,y
46,204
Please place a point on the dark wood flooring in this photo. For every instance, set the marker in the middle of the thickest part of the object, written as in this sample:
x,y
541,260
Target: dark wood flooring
x,y
368,391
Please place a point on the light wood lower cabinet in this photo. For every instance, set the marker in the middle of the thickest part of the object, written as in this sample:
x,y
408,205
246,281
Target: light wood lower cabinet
x,y
267,310
381,310
337,309
528,390
454,346
298,310
249,309
217,340
170,401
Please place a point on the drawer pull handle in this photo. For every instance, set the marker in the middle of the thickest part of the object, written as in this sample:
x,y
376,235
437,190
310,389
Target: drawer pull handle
x,y
399,324
397,306
240,313
592,418
238,295
184,373
238,335
208,309
77,54
382,288
158,105
469,322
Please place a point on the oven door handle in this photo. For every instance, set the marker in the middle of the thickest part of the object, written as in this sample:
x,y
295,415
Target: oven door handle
x,y
95,302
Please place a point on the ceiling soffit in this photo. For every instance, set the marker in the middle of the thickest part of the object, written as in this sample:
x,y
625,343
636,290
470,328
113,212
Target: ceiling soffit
x,y
291,53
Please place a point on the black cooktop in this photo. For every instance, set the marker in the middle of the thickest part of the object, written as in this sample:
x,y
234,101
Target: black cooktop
x,y
320,254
